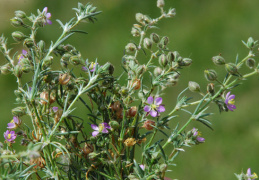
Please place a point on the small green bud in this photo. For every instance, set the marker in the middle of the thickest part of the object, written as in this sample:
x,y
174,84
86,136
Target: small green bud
x,y
176,56
140,70
47,62
28,42
18,93
163,167
193,86
210,74
147,43
154,37
250,63
140,17
163,60
211,89
171,13
20,14
164,40
114,124
75,60
17,22
135,32
18,36
26,68
231,68
147,19
41,45
124,91
66,57
185,62
218,60
160,3
25,61
130,47
19,111
170,56
5,69
18,71
250,42
158,71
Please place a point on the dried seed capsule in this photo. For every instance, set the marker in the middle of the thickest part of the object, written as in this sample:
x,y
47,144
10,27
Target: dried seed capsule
x,y
211,89
130,47
64,78
133,111
147,43
218,60
136,84
154,37
164,40
250,63
210,74
149,125
163,60
231,68
193,86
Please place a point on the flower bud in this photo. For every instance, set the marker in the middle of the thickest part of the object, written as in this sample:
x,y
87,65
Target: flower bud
x,y
64,78
75,60
140,70
164,40
92,155
250,42
18,71
133,111
211,89
130,47
114,124
87,149
19,111
154,37
148,125
66,57
170,56
26,68
176,55
18,36
140,17
47,62
124,91
210,74
185,62
17,22
135,32
28,42
171,12
218,60
20,14
158,71
193,86
163,60
41,45
231,68
147,19
160,3
44,96
147,43
250,63
5,69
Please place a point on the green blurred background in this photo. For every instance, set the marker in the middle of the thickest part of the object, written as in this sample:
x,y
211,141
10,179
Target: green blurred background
x,y
200,30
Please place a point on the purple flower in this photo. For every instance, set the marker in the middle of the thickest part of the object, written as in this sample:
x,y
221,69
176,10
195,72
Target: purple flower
x,y
10,136
197,134
103,127
91,67
55,109
154,107
47,15
21,56
142,166
230,101
251,176
14,123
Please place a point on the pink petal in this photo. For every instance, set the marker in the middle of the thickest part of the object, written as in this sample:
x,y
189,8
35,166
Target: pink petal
x,y
248,172
161,109
227,95
11,125
150,100
147,108
158,100
232,96
45,10
95,133
153,113
49,21
48,15
94,127
24,52
16,120
105,130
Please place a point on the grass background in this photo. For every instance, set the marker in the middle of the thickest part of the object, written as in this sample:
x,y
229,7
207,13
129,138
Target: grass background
x,y
200,30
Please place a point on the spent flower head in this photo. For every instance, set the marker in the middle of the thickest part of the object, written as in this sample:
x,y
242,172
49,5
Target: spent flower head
x,y
155,106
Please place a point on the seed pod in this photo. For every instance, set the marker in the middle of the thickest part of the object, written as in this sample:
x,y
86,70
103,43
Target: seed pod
x,y
135,32
18,36
193,86
160,3
140,17
64,78
211,89
147,43
136,84
250,63
158,71
28,42
163,60
5,69
154,37
133,111
75,60
170,56
130,47
114,124
164,40
148,125
17,22
218,60
20,14
210,74
19,111
185,62
231,68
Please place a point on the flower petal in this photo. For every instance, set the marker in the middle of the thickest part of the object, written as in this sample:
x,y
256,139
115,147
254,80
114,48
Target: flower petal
x,y
49,21
158,101
227,95
106,125
95,133
105,130
147,108
16,120
232,96
45,10
150,100
153,113
248,172
200,139
94,127
48,15
11,125
161,109
24,52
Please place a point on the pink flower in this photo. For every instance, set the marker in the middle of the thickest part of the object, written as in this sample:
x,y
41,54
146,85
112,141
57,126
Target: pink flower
x,y
154,107
230,101
10,136
103,127
14,123
47,15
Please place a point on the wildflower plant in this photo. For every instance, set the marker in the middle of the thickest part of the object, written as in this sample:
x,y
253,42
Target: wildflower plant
x,y
123,117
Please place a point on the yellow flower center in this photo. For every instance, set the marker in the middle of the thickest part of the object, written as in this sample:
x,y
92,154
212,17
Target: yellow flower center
x,y
232,101
92,65
153,106
19,56
254,176
9,136
101,127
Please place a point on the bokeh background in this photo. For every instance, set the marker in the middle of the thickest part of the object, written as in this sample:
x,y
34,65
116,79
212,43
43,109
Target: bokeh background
x,y
200,30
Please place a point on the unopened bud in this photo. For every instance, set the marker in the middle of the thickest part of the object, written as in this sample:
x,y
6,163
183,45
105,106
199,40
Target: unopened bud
x,y
231,68
171,12
28,42
18,36
19,111
193,86
5,69
158,71
211,89
147,43
170,56
185,62
140,70
210,74
20,14
47,62
163,60
26,68
140,17
149,125
41,45
124,91
160,3
130,47
218,60
147,19
18,71
250,42
17,22
154,37
75,60
250,63
135,32
164,40
114,124
87,149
